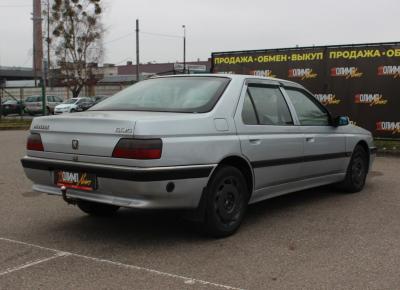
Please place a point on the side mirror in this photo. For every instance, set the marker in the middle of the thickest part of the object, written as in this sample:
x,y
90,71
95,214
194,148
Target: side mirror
x,y
341,121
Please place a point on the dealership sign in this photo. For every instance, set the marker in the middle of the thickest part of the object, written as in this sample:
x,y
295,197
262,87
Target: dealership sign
x,y
360,81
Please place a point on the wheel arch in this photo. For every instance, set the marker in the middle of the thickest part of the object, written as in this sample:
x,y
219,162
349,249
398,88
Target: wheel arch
x,y
244,166
365,146
236,161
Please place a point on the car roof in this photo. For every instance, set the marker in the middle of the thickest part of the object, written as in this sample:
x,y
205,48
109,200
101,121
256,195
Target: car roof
x,y
238,77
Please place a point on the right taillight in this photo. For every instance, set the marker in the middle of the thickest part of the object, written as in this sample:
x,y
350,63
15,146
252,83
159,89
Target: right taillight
x,y
34,142
138,149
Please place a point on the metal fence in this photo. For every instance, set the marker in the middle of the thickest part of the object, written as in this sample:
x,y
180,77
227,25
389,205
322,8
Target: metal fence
x,y
21,93
24,92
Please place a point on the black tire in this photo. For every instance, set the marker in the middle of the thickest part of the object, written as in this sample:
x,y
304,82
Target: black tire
x,y
72,111
356,171
97,209
48,111
226,202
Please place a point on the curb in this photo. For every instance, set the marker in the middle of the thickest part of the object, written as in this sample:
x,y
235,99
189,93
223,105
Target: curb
x,y
388,153
22,128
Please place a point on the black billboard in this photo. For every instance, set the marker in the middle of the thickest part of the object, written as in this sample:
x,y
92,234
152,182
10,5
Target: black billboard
x,y
359,81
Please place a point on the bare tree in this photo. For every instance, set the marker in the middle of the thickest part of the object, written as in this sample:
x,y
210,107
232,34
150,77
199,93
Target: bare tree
x,y
76,40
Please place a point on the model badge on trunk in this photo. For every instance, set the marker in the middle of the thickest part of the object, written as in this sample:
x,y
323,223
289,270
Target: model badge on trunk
x,y
123,131
41,127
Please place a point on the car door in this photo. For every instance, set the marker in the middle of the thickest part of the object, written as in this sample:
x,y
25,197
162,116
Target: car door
x,y
324,145
269,139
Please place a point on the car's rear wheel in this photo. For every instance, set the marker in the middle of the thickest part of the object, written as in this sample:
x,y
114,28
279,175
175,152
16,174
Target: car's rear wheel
x,y
96,209
356,172
226,202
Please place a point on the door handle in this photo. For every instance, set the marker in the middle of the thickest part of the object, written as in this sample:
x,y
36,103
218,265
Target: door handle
x,y
310,139
255,141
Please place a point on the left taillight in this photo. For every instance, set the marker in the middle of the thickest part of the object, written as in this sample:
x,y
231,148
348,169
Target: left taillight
x,y
138,149
34,142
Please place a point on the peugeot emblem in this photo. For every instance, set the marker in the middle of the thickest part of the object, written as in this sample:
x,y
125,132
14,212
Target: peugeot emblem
x,y
75,144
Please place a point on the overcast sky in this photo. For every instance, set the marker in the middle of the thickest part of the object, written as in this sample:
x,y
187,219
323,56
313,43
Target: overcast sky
x,y
214,25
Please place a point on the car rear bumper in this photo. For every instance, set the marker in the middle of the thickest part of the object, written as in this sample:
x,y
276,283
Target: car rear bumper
x,y
133,187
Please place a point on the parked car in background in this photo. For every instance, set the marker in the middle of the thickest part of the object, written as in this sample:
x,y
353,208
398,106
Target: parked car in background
x,y
208,144
33,104
98,99
74,105
12,107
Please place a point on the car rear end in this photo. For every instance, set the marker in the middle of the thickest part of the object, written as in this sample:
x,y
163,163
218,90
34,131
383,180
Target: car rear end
x,y
103,161
34,105
132,158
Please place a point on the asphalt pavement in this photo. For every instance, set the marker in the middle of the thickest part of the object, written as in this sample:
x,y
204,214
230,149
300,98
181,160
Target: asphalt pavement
x,y
314,239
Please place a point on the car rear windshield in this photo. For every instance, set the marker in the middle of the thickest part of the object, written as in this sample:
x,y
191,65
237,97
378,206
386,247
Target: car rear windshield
x,y
33,99
168,94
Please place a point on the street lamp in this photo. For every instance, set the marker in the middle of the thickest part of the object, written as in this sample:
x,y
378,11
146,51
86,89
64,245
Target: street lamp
x,y
184,48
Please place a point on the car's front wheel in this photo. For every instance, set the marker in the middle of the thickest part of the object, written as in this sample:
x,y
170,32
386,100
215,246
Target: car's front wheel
x,y
96,209
356,171
227,197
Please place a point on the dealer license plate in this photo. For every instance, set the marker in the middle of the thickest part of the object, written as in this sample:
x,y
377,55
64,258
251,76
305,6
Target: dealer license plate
x,y
75,180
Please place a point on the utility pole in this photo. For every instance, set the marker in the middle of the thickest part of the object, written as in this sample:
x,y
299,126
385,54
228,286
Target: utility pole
x,y
37,40
43,83
48,43
137,51
184,48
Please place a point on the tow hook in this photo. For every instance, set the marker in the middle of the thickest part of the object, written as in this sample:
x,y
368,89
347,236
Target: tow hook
x,y
65,197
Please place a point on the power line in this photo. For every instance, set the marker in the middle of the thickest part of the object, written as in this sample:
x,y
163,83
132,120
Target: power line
x,y
143,32
161,34
118,38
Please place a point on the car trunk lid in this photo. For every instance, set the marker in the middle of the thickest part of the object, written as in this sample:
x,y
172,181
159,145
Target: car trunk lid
x,y
93,133
84,133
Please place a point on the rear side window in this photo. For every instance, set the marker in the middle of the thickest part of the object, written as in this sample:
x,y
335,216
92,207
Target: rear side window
x,y
269,106
249,116
309,111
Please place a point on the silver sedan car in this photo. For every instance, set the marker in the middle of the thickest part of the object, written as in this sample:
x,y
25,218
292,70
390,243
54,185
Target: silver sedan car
x,y
209,144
